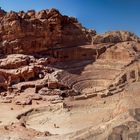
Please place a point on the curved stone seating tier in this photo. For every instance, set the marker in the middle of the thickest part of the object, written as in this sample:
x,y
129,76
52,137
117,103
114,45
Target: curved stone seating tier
x,y
89,80
98,77
90,86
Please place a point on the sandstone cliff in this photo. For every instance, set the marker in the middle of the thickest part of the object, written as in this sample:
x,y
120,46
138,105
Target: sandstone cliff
x,y
71,77
32,32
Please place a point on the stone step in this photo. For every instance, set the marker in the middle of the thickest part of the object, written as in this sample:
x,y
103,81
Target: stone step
x,y
117,91
85,96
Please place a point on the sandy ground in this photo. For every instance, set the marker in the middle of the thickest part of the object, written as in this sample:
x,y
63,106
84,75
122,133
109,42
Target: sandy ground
x,y
70,117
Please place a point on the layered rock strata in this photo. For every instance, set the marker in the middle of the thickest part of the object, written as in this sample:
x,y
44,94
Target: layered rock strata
x,y
59,53
49,58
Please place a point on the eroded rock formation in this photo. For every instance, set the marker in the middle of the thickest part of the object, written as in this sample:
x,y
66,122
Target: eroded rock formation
x,y
33,32
46,57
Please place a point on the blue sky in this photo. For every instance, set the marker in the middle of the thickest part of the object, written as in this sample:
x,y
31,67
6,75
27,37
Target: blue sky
x,y
101,15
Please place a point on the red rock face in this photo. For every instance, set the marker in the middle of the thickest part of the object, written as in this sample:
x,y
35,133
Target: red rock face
x,y
47,58
33,32
30,41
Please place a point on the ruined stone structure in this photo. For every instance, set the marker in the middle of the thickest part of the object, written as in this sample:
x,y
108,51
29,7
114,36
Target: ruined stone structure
x,y
48,57
32,41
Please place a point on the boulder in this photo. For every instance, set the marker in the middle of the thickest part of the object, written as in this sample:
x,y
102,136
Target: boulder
x,y
25,101
15,61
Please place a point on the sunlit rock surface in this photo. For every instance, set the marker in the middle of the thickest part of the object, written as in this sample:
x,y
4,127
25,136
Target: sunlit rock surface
x,y
57,77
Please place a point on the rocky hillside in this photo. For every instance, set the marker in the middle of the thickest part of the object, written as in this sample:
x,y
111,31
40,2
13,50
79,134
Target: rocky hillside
x,y
32,32
52,67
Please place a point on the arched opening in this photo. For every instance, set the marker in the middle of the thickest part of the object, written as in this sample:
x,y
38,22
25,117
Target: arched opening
x,y
132,74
